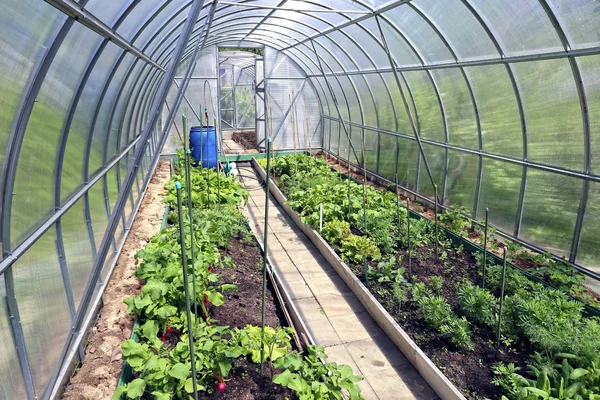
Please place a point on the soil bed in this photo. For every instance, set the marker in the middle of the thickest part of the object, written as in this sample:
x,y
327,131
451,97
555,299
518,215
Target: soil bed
x,y
470,370
246,138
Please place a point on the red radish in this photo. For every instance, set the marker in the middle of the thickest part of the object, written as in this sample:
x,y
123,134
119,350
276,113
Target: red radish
x,y
170,330
206,299
210,268
163,338
221,387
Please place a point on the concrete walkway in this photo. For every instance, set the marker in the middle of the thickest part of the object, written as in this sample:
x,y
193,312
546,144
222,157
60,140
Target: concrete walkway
x,y
232,147
333,315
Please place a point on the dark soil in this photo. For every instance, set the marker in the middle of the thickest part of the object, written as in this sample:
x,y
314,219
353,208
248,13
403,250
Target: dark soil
x,y
469,370
243,307
246,138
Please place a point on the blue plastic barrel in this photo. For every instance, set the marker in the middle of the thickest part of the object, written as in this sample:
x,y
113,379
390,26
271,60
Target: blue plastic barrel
x,y
208,137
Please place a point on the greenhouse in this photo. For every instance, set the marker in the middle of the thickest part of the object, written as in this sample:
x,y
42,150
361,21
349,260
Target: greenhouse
x,y
292,199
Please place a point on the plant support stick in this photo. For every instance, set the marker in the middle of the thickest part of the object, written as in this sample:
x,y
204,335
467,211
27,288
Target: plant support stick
x,y
408,235
485,231
187,291
320,217
264,270
218,175
437,239
501,301
188,189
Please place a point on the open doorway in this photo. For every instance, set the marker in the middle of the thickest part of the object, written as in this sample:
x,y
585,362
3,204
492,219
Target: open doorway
x,y
237,98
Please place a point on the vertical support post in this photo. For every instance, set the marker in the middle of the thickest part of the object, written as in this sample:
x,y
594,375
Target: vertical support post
x,y
365,268
498,332
264,267
187,290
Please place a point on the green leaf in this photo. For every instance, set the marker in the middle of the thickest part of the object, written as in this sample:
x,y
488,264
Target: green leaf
x,y
135,388
283,378
166,311
537,392
150,330
572,390
161,396
215,298
179,371
578,373
224,367
119,392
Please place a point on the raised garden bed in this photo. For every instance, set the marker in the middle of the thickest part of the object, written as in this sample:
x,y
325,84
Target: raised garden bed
x,y
227,329
467,356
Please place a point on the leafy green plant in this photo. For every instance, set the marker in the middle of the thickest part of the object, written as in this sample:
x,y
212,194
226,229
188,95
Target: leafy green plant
x,y
567,383
456,221
335,231
312,379
277,341
437,312
385,272
478,304
436,283
358,248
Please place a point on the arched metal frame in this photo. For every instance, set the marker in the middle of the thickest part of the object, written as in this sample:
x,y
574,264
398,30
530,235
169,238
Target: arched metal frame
x,y
136,94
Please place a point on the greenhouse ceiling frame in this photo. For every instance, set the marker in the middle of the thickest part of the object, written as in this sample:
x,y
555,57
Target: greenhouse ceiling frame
x,y
139,95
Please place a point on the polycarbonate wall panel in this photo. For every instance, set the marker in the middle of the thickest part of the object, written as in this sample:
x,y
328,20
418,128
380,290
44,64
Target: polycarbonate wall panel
x,y
11,379
43,308
387,156
461,180
371,147
578,19
550,223
500,188
34,194
78,250
521,27
419,34
501,128
436,157
590,74
73,164
428,112
408,160
102,129
458,107
99,218
24,28
552,113
589,252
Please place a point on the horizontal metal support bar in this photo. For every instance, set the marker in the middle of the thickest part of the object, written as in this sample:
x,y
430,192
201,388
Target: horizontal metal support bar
x,y
49,223
229,3
84,17
473,63
543,167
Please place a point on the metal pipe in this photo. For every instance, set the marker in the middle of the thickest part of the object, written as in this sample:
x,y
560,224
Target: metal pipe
x,y
498,332
485,241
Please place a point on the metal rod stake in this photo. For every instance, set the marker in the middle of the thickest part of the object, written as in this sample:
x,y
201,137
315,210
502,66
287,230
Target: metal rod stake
x,y
485,240
501,301
264,268
187,290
